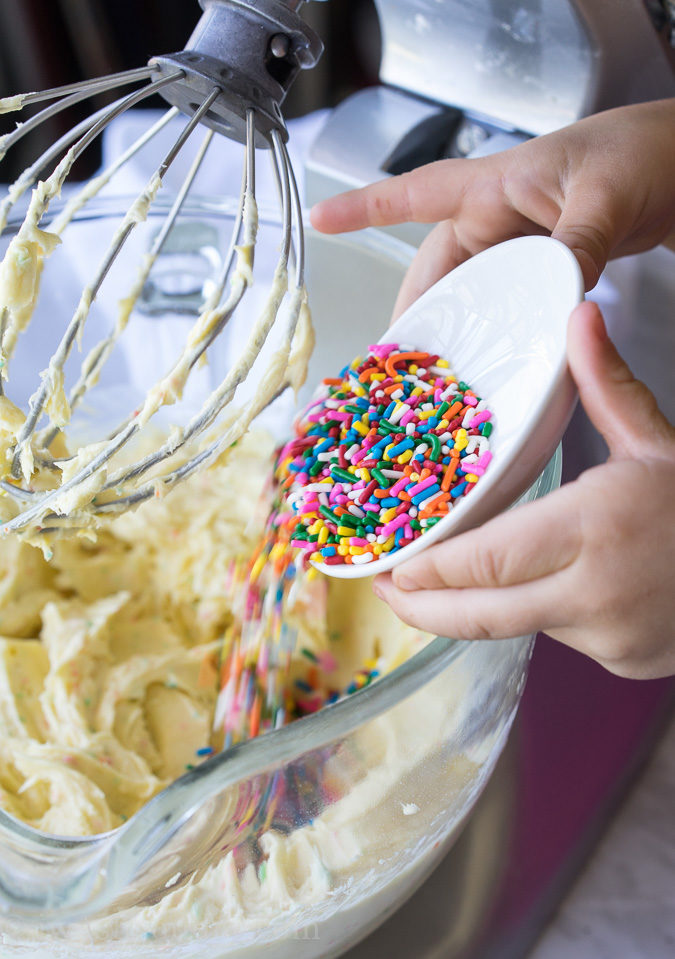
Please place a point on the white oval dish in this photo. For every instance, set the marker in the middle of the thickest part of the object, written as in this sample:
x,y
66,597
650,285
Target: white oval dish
x,y
500,319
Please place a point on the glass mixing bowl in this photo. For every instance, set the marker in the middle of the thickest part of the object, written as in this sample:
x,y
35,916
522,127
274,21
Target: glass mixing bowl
x,y
305,839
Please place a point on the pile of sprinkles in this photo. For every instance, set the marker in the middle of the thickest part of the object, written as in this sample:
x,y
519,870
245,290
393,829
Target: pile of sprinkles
x,y
392,444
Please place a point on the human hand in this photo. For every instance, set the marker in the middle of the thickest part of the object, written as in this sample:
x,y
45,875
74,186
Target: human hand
x,y
592,563
603,186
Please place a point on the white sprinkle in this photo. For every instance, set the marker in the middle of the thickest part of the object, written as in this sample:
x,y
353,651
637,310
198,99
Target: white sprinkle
x,y
409,808
410,429
323,499
356,511
399,412
394,474
350,452
371,537
362,558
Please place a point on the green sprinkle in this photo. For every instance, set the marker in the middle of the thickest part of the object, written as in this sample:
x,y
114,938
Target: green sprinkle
x,y
316,469
443,408
380,477
486,429
331,517
415,524
435,446
309,654
339,474
389,427
373,519
355,409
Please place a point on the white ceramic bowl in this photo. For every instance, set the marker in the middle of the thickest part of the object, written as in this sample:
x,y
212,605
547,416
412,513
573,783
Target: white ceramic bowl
x,y
500,319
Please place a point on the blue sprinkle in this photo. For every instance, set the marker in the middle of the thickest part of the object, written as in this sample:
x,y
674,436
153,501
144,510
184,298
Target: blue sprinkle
x,y
426,494
204,751
390,501
328,551
301,684
390,409
458,490
433,422
323,447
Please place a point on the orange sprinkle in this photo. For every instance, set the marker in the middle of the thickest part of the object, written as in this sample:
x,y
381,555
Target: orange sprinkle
x,y
449,474
255,715
394,358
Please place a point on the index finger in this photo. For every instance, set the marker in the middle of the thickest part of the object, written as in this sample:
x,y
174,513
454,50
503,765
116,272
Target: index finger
x,y
430,193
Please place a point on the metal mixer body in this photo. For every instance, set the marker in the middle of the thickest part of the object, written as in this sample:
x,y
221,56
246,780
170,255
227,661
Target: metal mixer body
x,y
466,78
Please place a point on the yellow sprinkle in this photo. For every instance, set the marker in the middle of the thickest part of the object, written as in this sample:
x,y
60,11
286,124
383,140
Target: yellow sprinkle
x,y
415,477
279,549
405,457
398,378
323,535
387,515
315,527
345,531
377,549
379,376
257,568
388,544
417,391
360,428
443,425
363,474
357,550
359,390
317,557
461,440
471,478
343,550
313,572
443,363
413,368
425,414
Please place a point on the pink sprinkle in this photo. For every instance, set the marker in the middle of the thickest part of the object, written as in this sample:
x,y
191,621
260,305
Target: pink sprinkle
x,y
480,418
337,415
484,460
399,485
327,661
302,479
408,534
382,349
405,419
359,455
418,487
395,523
470,401
341,500
358,541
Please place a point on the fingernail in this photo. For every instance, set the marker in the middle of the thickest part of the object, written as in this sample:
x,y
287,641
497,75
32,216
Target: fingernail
x,y
404,582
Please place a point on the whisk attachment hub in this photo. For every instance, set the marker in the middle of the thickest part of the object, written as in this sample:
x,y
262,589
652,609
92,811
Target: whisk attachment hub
x,y
252,50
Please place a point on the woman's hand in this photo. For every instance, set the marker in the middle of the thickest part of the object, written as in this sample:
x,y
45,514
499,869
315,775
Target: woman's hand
x,y
605,186
592,564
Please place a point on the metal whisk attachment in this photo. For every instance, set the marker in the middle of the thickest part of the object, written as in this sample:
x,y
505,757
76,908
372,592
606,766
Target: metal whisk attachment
x,y
231,78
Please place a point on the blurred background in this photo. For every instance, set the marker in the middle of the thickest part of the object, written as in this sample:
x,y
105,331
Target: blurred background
x,y
44,44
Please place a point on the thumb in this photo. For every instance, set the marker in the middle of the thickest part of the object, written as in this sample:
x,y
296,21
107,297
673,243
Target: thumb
x,y
586,227
620,407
